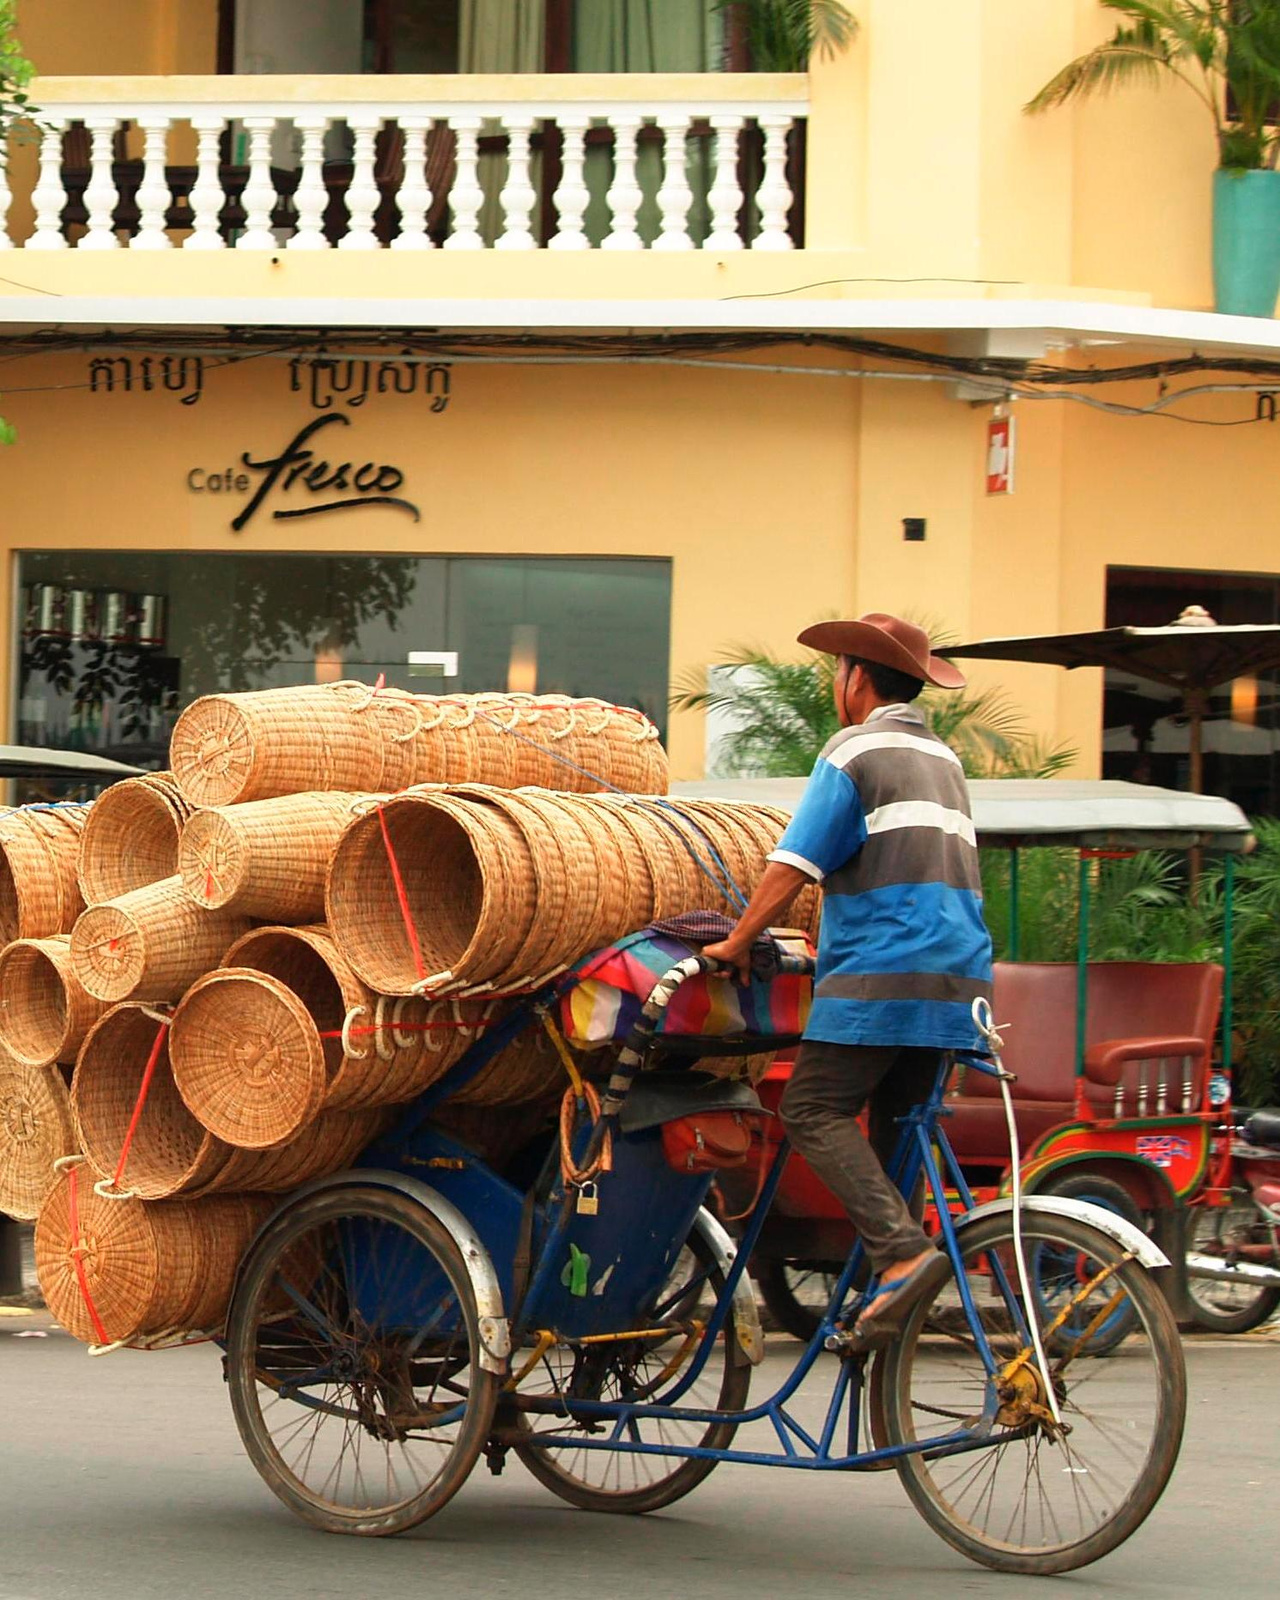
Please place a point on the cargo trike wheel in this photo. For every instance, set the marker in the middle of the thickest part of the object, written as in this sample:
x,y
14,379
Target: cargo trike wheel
x,y
1035,1497
623,1481
353,1359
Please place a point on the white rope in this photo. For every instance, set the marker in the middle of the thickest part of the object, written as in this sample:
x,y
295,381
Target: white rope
x,y
984,1019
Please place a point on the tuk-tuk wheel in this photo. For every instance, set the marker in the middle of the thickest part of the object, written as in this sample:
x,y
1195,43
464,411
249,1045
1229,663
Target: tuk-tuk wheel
x,y
353,1361
1052,1272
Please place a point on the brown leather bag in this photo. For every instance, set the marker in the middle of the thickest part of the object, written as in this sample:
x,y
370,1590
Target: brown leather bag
x,y
708,1141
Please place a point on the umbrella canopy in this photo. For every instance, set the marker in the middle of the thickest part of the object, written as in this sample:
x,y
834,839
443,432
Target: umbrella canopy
x,y
1192,655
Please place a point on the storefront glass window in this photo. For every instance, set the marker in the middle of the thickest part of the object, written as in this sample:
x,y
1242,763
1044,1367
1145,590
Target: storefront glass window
x,y
114,644
1144,733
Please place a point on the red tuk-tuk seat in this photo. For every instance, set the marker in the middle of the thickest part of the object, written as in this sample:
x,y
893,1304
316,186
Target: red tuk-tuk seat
x,y
1144,1020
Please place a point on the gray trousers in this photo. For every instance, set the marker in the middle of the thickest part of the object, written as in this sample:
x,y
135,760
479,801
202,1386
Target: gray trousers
x,y
829,1086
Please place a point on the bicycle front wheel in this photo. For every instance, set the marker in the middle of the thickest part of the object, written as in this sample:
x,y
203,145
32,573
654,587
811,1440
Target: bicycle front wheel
x,y
1035,1498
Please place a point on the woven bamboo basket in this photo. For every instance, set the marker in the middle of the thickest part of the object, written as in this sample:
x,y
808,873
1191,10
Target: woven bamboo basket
x,y
150,944
551,884
266,858
365,1068
328,1144
247,1058
39,852
724,850
149,1266
35,1131
131,837
170,1152
230,748
668,845
45,1012
468,884
577,859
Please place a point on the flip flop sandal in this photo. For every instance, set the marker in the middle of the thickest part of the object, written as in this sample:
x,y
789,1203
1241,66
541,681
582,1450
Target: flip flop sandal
x,y
871,1332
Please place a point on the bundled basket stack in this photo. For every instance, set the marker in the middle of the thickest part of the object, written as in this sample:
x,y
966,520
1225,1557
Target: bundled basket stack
x,y
251,960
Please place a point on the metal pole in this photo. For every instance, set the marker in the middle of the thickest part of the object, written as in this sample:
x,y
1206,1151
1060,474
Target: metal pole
x,y
1082,966
1015,927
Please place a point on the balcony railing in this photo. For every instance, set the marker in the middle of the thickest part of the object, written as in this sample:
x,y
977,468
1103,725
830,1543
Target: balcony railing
x,y
622,162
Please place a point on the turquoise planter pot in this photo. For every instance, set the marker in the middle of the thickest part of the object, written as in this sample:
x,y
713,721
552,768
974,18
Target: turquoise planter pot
x,y
1246,242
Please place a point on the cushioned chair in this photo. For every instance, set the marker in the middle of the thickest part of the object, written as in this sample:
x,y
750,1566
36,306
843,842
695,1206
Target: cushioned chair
x,y
1149,1033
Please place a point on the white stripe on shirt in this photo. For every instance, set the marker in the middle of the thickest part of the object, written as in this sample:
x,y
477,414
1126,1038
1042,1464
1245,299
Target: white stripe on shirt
x,y
920,814
853,748
790,859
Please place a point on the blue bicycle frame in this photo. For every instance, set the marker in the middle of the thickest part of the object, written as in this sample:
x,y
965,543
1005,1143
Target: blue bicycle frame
x,y
913,1156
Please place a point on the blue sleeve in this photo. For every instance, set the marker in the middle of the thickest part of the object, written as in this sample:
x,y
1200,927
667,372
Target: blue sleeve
x,y
829,825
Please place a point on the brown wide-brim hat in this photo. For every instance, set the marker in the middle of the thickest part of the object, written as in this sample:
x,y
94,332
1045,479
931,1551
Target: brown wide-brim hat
x,y
888,641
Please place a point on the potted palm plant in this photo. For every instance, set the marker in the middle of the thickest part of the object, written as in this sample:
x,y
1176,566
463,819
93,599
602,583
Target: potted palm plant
x,y
781,35
1227,52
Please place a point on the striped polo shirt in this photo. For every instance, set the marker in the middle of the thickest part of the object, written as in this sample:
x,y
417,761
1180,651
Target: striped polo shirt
x,y
884,826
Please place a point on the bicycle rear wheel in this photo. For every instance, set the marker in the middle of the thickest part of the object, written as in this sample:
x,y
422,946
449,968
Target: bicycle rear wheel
x,y
1033,1499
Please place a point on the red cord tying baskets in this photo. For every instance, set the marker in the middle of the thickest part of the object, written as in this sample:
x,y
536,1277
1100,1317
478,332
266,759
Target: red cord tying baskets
x,y
78,1253
402,896
109,1188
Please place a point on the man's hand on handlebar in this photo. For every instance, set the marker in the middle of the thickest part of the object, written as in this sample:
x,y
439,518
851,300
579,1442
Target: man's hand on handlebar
x,y
778,887
732,952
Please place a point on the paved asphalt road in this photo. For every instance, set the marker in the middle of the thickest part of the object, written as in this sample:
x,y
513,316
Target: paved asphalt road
x,y
123,1479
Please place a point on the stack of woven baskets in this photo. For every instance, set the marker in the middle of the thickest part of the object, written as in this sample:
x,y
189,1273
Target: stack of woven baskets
x,y
251,960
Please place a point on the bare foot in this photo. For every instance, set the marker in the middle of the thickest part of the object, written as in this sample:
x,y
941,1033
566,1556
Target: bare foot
x,y
891,1277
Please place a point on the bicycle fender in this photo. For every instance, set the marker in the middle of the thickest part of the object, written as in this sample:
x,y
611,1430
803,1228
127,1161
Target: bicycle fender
x,y
746,1314
1125,1234
495,1331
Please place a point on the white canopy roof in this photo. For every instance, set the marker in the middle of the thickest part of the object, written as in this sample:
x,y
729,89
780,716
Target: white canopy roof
x,y
1028,811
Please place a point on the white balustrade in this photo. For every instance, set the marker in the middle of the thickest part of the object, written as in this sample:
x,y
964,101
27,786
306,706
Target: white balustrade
x,y
445,172
49,197
675,195
518,196
415,195
206,198
725,196
362,194
572,195
311,197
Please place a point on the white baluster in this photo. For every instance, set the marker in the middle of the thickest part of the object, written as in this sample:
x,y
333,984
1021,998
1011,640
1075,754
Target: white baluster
x,y
518,195
259,198
415,194
100,194
1142,1088
725,196
675,196
572,195
624,194
206,197
1162,1091
1186,1083
774,194
153,191
311,197
362,196
49,196
6,200
466,196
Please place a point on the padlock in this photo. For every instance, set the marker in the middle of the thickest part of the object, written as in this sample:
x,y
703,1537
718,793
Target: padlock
x,y
588,1200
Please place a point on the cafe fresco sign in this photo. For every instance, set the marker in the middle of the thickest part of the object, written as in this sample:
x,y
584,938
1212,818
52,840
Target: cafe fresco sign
x,y
319,470
302,480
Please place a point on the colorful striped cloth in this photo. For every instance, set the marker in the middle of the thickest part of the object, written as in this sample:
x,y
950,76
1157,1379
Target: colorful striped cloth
x,y
613,984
